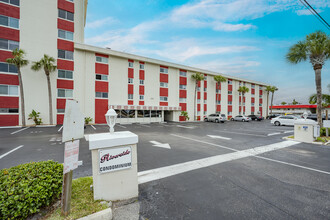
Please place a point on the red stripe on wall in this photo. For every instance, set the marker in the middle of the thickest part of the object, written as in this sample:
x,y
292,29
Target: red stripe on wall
x,y
199,84
130,89
65,65
65,5
164,67
219,96
65,25
260,109
183,106
253,91
60,103
59,119
183,93
130,102
163,103
101,55
9,10
131,61
101,86
9,34
230,87
252,109
163,77
9,102
8,120
260,101
218,108
230,108
141,74
198,95
252,100
101,108
260,92
102,68
65,45
182,118
230,98
130,73
163,91
141,62
205,107
141,90
198,107
205,84
8,79
4,55
205,96
183,80
64,84
141,102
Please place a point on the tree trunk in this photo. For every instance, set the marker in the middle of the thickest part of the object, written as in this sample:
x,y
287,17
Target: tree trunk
x,y
195,106
317,69
271,103
267,105
216,97
21,93
50,99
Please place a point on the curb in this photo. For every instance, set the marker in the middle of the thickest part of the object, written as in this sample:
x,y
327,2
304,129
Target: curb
x,y
105,214
317,143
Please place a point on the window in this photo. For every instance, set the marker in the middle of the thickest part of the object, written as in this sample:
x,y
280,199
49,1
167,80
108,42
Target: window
x,y
205,78
252,104
141,66
8,110
163,98
8,68
183,87
205,112
230,92
164,85
130,80
240,83
102,95
65,93
60,110
230,102
243,83
130,96
244,103
12,2
205,89
198,101
260,105
65,74
205,101
198,113
8,90
252,95
8,44
219,102
198,89
260,96
9,22
260,87
65,54
140,113
141,97
252,113
101,59
70,0
183,100
101,77
130,64
163,70
253,86
230,82
131,113
229,113
65,15
239,93
141,82
65,34
183,73
218,91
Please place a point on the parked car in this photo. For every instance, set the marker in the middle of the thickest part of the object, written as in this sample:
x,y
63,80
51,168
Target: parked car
x,y
241,118
256,117
216,118
314,117
273,116
284,120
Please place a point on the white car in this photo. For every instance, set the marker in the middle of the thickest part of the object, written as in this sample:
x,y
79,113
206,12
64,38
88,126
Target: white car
x,y
216,118
241,118
284,120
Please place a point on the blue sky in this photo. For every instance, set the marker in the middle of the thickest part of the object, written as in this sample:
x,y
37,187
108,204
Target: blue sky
x,y
244,38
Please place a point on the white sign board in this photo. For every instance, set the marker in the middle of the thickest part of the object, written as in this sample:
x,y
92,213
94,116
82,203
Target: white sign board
x,y
114,159
326,123
73,124
71,153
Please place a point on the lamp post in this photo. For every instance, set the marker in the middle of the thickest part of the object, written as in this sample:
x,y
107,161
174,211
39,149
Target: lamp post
x,y
111,117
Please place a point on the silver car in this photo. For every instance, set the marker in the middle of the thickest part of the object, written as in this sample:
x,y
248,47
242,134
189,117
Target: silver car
x,y
241,118
216,118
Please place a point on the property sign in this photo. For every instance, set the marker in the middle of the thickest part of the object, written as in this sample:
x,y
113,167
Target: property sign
x,y
73,124
326,123
114,159
71,153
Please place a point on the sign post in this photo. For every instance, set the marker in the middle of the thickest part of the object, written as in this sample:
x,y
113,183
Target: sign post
x,y
73,129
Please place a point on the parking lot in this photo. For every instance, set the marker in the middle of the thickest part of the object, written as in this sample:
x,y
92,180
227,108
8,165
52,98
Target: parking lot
x,y
204,170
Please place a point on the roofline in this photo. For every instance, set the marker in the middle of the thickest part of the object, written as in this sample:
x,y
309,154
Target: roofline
x,y
90,48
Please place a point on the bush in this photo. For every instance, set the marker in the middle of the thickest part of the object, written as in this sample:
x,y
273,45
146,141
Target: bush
x,y
322,131
26,188
35,116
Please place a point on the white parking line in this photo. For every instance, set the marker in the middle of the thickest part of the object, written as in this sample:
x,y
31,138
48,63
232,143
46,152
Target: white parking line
x,y
285,132
121,126
19,130
163,172
3,155
93,127
271,134
185,127
257,135
60,129
145,126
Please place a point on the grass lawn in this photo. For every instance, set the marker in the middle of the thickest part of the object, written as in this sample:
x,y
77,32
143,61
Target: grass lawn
x,y
82,202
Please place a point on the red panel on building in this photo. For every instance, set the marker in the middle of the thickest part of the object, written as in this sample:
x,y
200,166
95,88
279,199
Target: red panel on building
x,y
101,108
244,99
260,92
65,45
9,102
141,74
130,102
183,106
131,61
4,55
260,109
163,78
130,73
183,80
101,55
141,90
240,99
9,34
65,25
199,84
8,79
240,109
218,86
65,65
218,108
205,107
64,84
182,118
230,108
60,103
205,84
252,109
60,119
253,91
219,96
163,91
230,98
252,100
9,10
164,67
230,87
260,101
8,120
198,95
102,68
205,96
198,107
182,93
65,5
163,103
101,86
141,102
130,89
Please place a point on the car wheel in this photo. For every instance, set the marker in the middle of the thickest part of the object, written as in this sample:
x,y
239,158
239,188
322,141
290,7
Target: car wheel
x,y
205,120
231,119
277,123
222,122
243,120
216,121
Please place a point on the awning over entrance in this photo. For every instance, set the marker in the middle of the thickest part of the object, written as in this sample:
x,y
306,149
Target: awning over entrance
x,y
144,107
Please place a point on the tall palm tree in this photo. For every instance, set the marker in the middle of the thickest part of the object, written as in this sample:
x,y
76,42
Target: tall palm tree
x,y
47,63
197,77
315,48
243,90
218,79
268,89
19,61
325,99
273,89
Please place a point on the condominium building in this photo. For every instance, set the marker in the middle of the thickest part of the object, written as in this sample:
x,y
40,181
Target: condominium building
x,y
140,89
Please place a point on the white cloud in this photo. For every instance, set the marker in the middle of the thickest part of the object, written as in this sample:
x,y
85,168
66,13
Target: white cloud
x,y
307,12
101,22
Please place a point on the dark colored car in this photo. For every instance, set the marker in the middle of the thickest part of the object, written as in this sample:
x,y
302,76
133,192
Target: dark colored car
x,y
273,116
256,117
314,117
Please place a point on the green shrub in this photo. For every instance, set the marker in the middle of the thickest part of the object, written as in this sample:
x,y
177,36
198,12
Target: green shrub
x,y
26,188
322,131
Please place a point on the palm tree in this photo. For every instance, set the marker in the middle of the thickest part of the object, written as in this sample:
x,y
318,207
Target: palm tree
x,y
273,89
325,99
47,63
268,89
294,102
197,77
283,103
19,61
315,48
243,90
218,79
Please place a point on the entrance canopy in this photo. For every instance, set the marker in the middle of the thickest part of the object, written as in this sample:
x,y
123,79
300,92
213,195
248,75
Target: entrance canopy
x,y
144,107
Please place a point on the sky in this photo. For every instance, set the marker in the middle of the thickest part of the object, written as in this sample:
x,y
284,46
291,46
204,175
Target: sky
x,y
243,38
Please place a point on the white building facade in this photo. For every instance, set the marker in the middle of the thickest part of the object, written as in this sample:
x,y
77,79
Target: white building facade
x,y
140,89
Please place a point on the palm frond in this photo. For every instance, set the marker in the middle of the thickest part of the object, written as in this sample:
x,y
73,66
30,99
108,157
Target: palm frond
x,y
297,52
